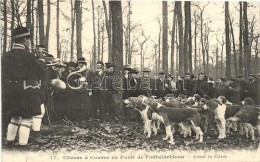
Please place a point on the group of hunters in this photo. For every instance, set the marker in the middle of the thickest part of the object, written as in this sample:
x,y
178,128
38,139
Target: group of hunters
x,y
27,88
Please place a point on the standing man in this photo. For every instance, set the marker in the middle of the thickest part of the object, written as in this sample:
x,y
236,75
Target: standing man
x,y
134,83
161,86
252,87
146,83
234,90
201,86
21,75
98,85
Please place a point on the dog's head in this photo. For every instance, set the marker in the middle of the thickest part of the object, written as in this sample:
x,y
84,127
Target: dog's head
x,y
196,97
248,101
223,100
212,104
181,97
203,101
133,102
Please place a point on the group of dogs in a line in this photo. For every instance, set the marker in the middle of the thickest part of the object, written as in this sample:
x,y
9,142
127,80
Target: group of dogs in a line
x,y
197,114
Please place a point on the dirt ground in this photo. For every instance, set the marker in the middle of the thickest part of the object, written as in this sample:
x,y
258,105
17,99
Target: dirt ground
x,y
122,135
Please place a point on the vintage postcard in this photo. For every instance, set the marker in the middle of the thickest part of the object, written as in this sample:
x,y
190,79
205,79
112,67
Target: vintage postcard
x,y
130,80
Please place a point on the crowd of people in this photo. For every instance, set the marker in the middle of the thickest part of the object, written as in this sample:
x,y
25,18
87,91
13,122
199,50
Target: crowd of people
x,y
29,87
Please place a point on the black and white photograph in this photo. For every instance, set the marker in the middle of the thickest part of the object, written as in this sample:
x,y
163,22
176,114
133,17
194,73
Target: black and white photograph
x,y
130,80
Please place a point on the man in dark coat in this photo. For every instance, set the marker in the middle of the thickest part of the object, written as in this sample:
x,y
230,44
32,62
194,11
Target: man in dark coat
x,y
134,83
161,86
187,85
253,87
98,86
234,88
201,86
146,83
221,88
21,76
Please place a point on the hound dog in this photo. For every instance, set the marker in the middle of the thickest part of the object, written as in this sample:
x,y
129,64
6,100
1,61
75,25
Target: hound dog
x,y
168,115
145,112
218,110
223,100
248,101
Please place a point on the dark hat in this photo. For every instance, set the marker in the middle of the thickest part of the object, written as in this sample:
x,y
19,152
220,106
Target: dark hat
x,y
146,69
109,65
82,60
134,71
233,78
100,62
252,75
20,32
161,72
127,67
240,75
72,64
187,73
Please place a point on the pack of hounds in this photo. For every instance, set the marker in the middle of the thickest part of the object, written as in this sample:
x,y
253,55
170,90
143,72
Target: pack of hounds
x,y
198,115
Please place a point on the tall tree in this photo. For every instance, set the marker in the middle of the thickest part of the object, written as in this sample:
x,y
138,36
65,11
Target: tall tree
x,y
141,44
173,40
233,45
108,28
165,37
48,24
240,58
98,33
28,15
186,35
5,29
94,32
228,48
181,43
12,21
32,24
117,39
41,22
72,14
78,11
190,36
58,28
247,58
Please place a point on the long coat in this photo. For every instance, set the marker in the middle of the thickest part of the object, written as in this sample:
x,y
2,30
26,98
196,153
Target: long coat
x,y
220,90
234,93
21,75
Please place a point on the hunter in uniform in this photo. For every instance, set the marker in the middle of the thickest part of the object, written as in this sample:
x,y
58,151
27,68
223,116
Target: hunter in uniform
x,y
21,75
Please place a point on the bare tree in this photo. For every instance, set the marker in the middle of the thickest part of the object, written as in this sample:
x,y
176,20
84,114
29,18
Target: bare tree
x,y
165,37
48,24
234,45
5,29
108,28
41,22
94,32
181,43
159,42
247,56
240,59
78,11
172,40
222,43
58,28
12,21
141,43
228,48
196,20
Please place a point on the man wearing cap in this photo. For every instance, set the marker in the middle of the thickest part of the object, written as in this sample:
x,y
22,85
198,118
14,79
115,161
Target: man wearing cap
x,y
252,87
161,86
21,76
98,86
221,88
233,93
146,83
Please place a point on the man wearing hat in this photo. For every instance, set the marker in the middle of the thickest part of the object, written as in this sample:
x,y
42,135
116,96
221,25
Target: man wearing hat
x,y
161,86
21,76
221,88
126,91
98,86
233,92
187,85
146,83
134,83
253,87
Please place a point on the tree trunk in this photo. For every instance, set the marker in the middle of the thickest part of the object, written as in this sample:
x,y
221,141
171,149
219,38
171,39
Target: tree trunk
x,y
41,22
240,59
228,48
195,41
58,29
202,42
181,43
234,45
165,37
98,35
32,24
159,47
37,28
216,66
173,40
94,57
48,24
5,29
12,22
129,33
190,37
117,45
247,60
28,15
72,31
186,37
78,10
256,54
108,28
